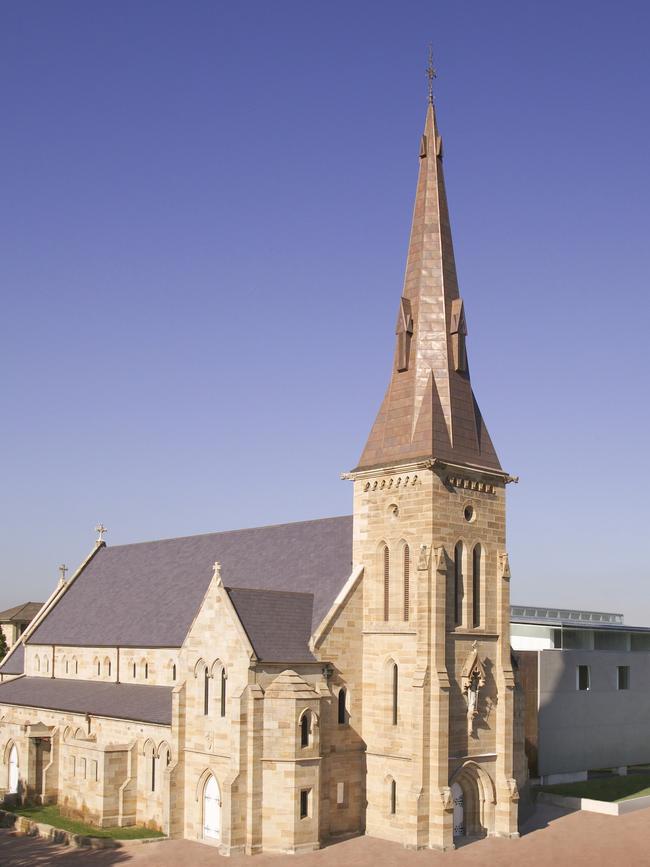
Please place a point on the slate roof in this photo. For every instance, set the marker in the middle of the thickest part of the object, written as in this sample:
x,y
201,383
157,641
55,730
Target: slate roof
x,y
118,700
23,613
147,594
277,623
14,663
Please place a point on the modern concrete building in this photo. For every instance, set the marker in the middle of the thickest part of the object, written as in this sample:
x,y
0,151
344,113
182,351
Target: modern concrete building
x,y
586,682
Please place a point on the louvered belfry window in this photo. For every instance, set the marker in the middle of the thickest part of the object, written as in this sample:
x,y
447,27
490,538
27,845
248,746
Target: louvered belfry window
x,y
407,589
386,582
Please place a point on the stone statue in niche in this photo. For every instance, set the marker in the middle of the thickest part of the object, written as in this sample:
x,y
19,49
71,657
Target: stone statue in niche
x,y
472,682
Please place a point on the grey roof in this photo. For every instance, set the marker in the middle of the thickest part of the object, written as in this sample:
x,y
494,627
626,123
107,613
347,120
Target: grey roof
x,y
14,663
576,624
147,594
23,613
119,700
278,623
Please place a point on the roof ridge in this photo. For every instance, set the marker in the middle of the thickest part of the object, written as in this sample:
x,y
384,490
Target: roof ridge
x,y
264,590
227,532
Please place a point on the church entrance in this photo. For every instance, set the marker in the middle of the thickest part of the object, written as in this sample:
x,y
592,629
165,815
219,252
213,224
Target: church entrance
x,y
459,810
13,770
211,810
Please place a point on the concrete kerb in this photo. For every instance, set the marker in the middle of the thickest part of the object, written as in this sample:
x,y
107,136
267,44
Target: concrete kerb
x,y
27,828
609,808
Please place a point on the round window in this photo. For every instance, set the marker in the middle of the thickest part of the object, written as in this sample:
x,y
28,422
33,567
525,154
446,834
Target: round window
x,y
470,514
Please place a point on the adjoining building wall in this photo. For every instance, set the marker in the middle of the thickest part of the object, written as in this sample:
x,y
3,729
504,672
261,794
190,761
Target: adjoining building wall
x,y
600,727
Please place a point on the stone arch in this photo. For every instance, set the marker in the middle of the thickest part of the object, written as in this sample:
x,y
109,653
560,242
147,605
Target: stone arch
x,y
307,727
392,677
37,662
75,664
383,557
7,749
46,660
479,796
199,666
97,666
12,761
149,747
80,734
67,734
403,596
162,751
390,797
107,666
209,796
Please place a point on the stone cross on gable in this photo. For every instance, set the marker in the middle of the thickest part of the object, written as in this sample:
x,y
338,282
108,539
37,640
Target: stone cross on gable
x,y
63,569
100,529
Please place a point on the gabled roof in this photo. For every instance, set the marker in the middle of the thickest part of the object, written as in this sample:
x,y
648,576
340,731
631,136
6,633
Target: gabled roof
x,y
147,594
14,662
23,613
118,700
277,623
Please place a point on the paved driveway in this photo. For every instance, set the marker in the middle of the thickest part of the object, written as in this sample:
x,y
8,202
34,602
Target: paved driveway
x,y
551,839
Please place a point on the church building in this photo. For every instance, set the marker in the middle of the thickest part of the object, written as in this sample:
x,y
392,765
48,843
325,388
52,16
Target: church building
x,y
277,688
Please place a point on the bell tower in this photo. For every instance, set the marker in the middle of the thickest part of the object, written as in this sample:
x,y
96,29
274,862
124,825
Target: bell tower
x,y
429,527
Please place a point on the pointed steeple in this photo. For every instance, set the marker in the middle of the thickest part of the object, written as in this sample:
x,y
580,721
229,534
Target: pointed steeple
x,y
429,410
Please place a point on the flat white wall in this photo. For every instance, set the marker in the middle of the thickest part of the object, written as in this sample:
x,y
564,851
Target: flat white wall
x,y
602,727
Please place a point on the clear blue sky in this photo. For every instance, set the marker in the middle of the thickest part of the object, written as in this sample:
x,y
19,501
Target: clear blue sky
x,y
204,215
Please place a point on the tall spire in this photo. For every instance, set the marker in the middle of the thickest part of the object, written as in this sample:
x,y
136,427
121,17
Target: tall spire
x,y
429,410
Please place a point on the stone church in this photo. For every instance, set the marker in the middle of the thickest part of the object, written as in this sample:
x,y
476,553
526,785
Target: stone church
x,y
276,688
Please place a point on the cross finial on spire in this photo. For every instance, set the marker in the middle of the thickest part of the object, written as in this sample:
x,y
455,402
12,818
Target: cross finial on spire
x,y
63,569
431,73
100,529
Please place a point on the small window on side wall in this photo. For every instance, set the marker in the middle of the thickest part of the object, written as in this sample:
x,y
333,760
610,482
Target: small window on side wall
x,y
623,676
584,680
341,707
304,730
304,803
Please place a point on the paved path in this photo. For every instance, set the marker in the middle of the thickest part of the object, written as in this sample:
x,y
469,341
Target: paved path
x,y
552,838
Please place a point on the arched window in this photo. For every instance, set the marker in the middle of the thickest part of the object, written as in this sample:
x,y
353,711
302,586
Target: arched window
x,y
206,691
76,666
458,584
135,671
223,692
47,663
394,691
393,797
146,670
304,729
153,771
406,565
66,666
341,707
386,563
14,770
38,663
476,586
99,668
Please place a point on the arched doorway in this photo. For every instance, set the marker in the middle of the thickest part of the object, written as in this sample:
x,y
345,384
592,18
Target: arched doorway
x,y
459,810
474,801
211,810
13,770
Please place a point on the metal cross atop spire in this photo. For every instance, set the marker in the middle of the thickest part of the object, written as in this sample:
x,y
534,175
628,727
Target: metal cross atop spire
x,y
431,73
100,529
63,569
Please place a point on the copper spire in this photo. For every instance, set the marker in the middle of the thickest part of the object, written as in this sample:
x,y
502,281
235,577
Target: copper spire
x,y
429,409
